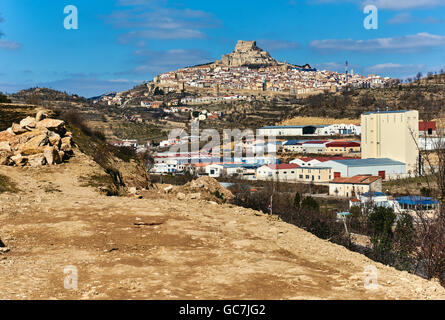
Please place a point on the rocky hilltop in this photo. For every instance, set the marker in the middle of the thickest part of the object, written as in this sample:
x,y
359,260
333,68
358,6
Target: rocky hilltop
x,y
247,53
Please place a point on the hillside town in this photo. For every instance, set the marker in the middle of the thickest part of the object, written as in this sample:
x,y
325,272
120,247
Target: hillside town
x,y
245,75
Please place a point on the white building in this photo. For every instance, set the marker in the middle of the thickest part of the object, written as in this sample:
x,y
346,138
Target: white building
x,y
393,135
282,172
353,186
384,167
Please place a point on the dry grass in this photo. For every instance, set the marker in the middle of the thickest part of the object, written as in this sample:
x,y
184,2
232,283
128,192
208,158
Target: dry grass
x,y
317,121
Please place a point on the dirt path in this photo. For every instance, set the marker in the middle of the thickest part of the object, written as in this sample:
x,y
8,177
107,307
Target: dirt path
x,y
162,248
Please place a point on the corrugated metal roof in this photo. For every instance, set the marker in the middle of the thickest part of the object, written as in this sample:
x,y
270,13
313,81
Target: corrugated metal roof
x,y
370,162
389,111
292,142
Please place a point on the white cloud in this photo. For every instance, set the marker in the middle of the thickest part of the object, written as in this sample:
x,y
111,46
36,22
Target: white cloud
x,y
148,21
408,43
9,45
395,68
405,4
391,4
401,18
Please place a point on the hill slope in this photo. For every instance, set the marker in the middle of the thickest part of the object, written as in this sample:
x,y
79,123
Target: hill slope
x,y
162,248
426,95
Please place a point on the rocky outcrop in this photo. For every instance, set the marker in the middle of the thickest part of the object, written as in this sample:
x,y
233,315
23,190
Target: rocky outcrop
x,y
247,53
35,142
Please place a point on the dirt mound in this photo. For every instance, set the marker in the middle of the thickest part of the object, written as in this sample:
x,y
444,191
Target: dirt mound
x,y
209,188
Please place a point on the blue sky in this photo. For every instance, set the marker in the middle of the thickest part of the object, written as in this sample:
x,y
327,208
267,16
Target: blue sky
x,y
121,43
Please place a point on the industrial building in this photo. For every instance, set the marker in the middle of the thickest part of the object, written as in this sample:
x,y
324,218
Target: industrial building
x,y
391,134
291,131
376,167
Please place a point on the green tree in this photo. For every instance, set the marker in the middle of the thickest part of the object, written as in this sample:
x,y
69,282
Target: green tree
x,y
4,99
381,220
404,240
310,204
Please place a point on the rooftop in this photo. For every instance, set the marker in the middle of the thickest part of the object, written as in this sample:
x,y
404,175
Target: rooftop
x,y
370,162
324,159
388,111
360,179
373,194
343,144
283,166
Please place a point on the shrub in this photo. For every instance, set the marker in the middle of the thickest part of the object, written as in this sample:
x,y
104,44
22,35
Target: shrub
x,y
4,99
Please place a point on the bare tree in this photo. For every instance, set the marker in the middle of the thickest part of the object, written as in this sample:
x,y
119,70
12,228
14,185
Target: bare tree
x,y
430,225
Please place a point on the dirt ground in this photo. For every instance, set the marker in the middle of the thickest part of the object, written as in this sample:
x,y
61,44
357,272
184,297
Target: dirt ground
x,y
162,248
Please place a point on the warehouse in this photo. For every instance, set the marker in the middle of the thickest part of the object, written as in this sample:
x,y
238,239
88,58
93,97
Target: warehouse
x,y
291,131
382,167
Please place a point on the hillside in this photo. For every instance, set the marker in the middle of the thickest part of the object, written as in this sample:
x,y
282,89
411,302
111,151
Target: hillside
x,y
159,245
426,95
163,248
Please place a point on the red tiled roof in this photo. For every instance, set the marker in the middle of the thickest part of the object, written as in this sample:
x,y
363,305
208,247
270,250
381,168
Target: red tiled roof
x,y
283,166
343,144
425,125
315,142
324,159
360,179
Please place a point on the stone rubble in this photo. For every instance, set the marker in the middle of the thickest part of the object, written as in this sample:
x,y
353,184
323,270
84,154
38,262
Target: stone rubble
x,y
35,142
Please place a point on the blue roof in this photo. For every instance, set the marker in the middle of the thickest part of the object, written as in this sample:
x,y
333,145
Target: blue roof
x,y
389,111
291,142
369,162
372,194
416,200
242,165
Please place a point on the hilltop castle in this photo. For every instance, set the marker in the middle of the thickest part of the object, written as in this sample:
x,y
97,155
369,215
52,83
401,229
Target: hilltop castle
x,y
247,53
